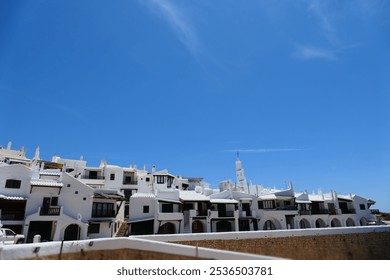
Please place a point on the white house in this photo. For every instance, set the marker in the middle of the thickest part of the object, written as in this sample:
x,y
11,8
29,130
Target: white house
x,y
142,213
52,203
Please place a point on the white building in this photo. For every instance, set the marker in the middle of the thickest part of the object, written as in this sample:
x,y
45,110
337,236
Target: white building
x,y
37,200
65,199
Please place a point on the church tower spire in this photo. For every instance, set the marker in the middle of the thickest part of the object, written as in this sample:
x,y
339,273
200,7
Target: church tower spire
x,y
240,177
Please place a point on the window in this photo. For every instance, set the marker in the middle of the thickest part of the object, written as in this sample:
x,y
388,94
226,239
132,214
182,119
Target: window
x,y
128,180
13,184
160,179
146,208
167,208
93,175
100,209
362,207
147,179
112,176
94,228
266,204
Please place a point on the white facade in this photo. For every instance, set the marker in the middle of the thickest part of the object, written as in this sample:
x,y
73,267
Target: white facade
x,y
53,204
66,199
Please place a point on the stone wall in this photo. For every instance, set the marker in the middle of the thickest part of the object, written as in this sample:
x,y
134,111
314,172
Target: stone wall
x,y
357,246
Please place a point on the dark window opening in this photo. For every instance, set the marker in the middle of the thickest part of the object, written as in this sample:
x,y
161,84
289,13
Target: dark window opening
x,y
54,201
100,209
146,209
167,208
93,175
93,228
13,184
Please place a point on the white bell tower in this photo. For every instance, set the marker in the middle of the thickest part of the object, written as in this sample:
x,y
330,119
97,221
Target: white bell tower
x,y
240,177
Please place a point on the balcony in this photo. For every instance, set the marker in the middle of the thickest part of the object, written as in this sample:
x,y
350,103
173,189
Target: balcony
x,y
304,212
223,214
214,214
348,211
244,214
320,212
88,177
174,216
50,211
103,214
286,208
12,215
130,182
333,212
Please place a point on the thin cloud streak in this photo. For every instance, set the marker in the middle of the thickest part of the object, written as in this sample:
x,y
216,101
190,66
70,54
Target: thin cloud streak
x,y
276,150
321,11
179,23
307,53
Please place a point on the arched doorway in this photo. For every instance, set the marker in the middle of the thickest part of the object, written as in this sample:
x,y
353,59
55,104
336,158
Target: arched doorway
x,y
224,226
350,222
320,223
72,232
335,223
167,228
197,227
304,224
269,225
363,221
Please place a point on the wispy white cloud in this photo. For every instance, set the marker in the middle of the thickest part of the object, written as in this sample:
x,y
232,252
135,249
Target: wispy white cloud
x,y
265,150
326,19
305,52
308,52
178,21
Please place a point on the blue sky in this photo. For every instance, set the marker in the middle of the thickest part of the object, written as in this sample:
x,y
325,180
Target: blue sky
x,y
300,88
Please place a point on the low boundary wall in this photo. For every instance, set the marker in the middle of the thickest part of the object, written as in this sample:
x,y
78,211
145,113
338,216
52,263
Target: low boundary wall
x,y
350,243
118,249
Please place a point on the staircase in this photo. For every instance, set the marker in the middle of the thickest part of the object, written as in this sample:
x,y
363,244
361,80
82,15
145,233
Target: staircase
x,y
123,229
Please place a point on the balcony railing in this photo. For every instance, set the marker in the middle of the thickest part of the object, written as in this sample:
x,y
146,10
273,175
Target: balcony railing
x,y
333,212
320,212
130,182
225,213
246,213
286,208
173,216
88,177
201,213
51,211
12,215
304,212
